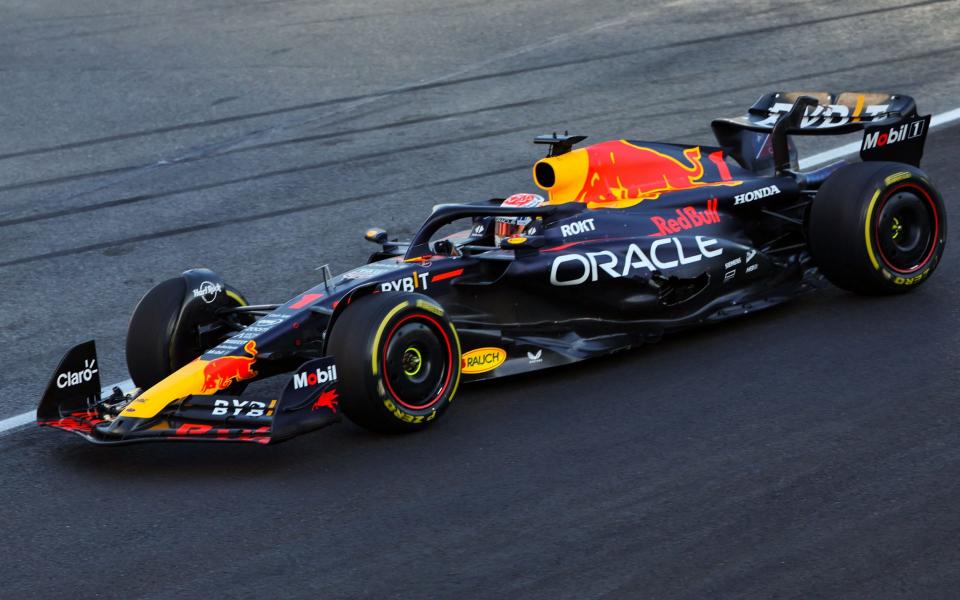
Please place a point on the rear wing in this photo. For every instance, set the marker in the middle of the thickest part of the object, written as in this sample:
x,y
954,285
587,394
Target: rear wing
x,y
892,128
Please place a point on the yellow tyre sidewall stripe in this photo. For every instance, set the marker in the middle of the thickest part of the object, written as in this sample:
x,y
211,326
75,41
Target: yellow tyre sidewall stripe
x,y
376,339
236,297
374,363
866,230
456,382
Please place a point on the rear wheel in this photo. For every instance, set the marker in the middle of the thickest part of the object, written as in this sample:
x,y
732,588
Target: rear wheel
x,y
164,335
877,228
398,360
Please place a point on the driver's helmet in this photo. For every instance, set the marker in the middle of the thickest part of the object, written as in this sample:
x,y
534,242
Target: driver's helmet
x,y
507,227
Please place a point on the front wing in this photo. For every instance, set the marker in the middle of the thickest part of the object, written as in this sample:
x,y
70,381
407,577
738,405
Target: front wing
x,y
73,402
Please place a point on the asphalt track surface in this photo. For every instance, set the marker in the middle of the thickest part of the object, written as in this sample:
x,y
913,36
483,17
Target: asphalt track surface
x,y
809,451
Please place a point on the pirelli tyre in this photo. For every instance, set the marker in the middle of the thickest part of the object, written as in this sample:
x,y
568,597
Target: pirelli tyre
x,y
170,327
877,228
398,361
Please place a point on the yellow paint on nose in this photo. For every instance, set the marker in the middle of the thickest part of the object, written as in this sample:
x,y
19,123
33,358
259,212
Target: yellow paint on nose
x,y
185,381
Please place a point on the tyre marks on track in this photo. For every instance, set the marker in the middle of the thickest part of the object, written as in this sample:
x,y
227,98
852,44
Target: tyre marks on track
x,y
454,81
265,145
259,176
941,52
253,217
130,200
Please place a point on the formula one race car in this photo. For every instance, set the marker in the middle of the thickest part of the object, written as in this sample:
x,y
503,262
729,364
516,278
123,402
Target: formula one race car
x,y
636,240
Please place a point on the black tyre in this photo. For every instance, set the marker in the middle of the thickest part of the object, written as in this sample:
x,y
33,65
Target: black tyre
x,y
164,335
877,228
398,361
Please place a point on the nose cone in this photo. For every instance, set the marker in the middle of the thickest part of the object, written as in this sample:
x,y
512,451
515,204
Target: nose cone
x,y
185,381
198,377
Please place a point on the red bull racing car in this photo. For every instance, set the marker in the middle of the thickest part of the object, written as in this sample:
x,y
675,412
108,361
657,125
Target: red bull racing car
x,y
634,240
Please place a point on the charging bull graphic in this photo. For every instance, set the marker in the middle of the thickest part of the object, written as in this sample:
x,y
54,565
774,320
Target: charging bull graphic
x,y
619,174
219,373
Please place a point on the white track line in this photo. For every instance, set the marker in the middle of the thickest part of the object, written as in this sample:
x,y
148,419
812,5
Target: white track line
x,y
811,161
828,156
839,152
18,421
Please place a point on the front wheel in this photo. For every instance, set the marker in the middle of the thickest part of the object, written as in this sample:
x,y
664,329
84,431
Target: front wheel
x,y
170,327
877,228
398,358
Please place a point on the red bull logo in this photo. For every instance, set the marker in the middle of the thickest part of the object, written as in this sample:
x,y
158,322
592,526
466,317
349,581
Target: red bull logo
x,y
619,174
687,217
219,373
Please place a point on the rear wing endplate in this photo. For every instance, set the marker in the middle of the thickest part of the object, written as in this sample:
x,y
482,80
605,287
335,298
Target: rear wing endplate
x,y
893,129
